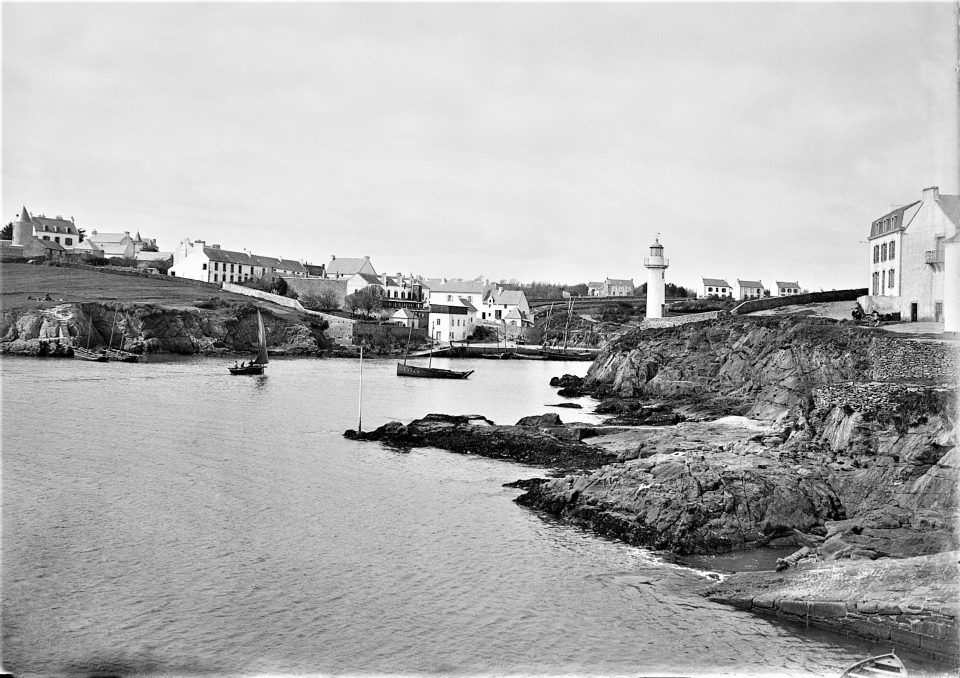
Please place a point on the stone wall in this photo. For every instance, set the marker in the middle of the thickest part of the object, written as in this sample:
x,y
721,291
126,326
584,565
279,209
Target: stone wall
x,y
389,333
676,320
266,296
767,303
914,359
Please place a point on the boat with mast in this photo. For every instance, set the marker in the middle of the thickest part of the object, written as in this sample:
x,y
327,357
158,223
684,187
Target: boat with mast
x,y
428,372
258,364
562,353
119,353
85,353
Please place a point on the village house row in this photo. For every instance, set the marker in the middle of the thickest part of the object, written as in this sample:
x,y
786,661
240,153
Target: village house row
x,y
907,261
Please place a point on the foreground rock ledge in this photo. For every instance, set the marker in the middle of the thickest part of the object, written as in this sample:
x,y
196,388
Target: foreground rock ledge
x,y
910,602
538,440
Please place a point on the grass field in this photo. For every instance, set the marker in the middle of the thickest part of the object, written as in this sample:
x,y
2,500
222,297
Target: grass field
x,y
20,281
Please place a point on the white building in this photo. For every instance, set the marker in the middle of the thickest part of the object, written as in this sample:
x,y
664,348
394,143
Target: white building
x,y
910,250
345,267
114,244
509,305
198,261
448,292
452,321
714,286
57,230
656,265
749,289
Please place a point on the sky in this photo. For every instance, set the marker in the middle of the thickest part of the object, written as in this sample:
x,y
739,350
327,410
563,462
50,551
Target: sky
x,y
536,141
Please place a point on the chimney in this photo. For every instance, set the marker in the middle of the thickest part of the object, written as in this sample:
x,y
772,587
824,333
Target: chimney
x,y
214,247
127,233
366,258
931,194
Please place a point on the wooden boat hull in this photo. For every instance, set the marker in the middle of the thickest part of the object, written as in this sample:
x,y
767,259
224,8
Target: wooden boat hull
x,y
92,356
123,356
876,667
430,372
565,355
247,369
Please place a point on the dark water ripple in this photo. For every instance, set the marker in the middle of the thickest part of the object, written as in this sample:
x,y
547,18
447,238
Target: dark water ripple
x,y
166,518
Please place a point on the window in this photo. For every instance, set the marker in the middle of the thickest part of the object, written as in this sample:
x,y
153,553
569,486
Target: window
x,y
876,283
883,280
46,237
231,270
893,249
449,297
890,278
215,278
883,252
876,253
68,241
938,311
56,238
204,267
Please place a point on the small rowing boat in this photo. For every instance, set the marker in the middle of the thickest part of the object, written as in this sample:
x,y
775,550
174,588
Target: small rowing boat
x,y
881,666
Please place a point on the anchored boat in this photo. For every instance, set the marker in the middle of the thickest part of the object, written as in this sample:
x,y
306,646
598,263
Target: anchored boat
x,y
876,667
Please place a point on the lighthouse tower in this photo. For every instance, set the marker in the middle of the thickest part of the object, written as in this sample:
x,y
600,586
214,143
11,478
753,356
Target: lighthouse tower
x,y
655,265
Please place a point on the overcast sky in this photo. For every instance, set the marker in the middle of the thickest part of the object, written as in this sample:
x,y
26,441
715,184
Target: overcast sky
x,y
534,141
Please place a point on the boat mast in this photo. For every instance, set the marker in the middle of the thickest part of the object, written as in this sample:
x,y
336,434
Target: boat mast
x,y
567,327
546,326
360,395
407,351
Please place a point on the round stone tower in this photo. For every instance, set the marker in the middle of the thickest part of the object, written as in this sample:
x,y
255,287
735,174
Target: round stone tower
x,y
22,228
655,265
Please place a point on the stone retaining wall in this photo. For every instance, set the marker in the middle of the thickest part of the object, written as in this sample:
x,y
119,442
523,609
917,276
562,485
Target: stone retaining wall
x,y
870,398
675,320
266,296
767,303
930,628
914,359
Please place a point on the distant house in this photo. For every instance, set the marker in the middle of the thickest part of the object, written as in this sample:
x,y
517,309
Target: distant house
x,y
509,305
452,321
401,292
89,249
594,289
611,287
715,286
114,244
198,261
347,267
404,317
448,292
749,289
47,249
785,289
359,281
57,230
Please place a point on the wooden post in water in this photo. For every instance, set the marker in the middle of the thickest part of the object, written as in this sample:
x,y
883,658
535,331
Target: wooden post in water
x,y
360,396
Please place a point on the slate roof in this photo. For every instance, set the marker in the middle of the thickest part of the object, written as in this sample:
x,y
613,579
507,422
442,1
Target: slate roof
x,y
951,207
715,282
749,283
900,215
462,286
153,256
403,313
346,265
244,259
513,314
788,284
618,281
48,225
507,297
50,245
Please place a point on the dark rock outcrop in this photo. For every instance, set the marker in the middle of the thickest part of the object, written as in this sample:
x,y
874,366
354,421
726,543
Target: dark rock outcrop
x,y
541,440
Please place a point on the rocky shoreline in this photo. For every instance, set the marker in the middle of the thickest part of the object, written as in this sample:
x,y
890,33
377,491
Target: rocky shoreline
x,y
221,329
743,433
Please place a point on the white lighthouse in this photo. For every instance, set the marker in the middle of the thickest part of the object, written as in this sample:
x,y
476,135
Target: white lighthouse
x,y
655,265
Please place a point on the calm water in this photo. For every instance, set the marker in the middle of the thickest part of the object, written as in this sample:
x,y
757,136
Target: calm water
x,y
168,518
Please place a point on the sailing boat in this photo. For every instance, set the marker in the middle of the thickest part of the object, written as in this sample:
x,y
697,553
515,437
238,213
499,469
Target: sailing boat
x,y
119,353
260,362
563,353
85,353
428,372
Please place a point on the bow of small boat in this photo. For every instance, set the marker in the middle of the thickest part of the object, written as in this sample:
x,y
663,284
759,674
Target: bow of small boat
x,y
881,666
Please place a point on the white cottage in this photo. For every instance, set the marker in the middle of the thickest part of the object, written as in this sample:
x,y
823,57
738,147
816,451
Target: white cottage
x,y
715,287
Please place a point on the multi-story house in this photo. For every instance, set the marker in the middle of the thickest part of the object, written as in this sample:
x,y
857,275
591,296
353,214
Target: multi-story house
x,y
453,320
345,267
508,305
715,287
114,244
749,289
611,287
57,230
908,255
448,291
785,289
211,263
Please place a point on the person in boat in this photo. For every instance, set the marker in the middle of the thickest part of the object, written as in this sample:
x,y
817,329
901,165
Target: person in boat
x,y
234,364
242,364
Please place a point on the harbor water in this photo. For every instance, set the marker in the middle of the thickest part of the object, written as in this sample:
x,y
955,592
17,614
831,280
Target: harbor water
x,y
167,518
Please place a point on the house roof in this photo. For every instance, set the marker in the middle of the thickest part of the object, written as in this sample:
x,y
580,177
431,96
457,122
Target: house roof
x,y
54,225
619,281
317,270
749,283
507,297
787,284
594,284
715,282
228,256
461,286
88,245
108,237
369,279
346,265
900,216
469,306
153,256
50,244
951,207
513,314
403,313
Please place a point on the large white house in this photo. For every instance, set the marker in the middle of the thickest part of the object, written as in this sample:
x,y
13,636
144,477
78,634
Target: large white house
x,y
908,255
210,263
345,267
785,289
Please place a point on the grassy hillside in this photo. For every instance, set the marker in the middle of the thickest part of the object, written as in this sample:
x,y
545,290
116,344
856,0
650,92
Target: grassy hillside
x,y
20,281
